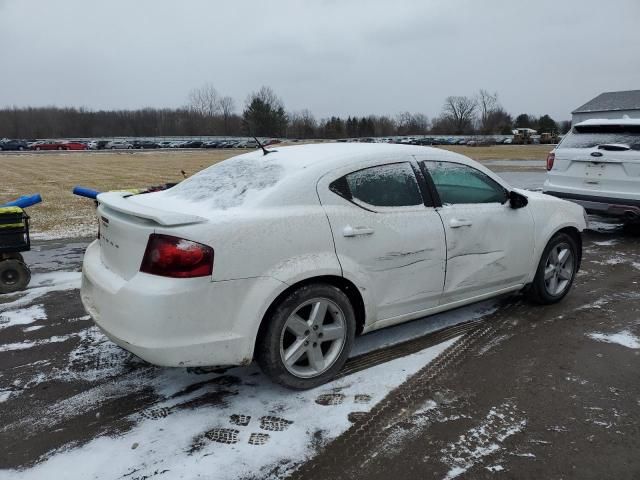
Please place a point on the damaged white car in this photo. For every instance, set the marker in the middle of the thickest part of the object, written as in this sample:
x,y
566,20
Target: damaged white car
x,y
286,257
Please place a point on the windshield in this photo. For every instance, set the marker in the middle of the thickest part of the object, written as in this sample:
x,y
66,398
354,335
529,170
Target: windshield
x,y
589,136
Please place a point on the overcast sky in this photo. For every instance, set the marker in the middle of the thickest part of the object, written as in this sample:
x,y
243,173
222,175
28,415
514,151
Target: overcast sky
x,y
330,56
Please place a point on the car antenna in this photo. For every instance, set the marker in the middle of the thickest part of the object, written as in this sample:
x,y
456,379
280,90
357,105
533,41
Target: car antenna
x,y
266,152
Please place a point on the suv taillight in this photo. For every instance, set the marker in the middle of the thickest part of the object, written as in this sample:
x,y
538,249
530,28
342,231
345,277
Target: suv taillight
x,y
175,257
550,159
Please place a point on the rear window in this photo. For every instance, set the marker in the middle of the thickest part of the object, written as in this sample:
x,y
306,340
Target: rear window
x,y
589,136
228,184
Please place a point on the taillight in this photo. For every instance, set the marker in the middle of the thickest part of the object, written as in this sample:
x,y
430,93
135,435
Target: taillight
x,y
175,257
550,159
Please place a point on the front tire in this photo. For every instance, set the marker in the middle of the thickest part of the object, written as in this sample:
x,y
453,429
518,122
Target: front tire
x,y
556,271
14,276
308,337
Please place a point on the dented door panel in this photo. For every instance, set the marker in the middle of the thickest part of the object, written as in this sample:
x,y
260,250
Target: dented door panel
x,y
494,251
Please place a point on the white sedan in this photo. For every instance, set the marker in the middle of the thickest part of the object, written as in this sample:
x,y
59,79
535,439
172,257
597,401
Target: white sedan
x,y
286,257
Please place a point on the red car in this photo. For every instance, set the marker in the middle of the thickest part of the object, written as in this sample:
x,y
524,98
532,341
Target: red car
x,y
47,145
73,145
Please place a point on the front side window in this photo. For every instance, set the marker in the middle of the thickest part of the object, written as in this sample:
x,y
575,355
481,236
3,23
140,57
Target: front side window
x,y
392,185
459,184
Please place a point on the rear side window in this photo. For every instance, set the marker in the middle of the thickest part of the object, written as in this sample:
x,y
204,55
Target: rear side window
x,y
460,184
392,185
589,136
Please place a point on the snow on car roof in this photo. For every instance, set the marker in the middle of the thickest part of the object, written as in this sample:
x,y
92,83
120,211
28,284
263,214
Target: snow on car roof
x,y
247,179
609,121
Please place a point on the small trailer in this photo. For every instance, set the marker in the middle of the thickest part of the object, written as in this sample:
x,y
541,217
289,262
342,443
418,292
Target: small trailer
x,y
15,274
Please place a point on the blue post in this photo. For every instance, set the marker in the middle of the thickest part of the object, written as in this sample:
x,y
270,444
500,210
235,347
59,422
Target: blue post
x,y
25,201
85,192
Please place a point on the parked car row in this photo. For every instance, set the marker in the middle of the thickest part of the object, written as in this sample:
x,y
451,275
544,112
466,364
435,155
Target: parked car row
x,y
20,145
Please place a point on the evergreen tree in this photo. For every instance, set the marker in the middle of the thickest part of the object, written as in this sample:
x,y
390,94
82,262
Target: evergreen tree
x,y
264,114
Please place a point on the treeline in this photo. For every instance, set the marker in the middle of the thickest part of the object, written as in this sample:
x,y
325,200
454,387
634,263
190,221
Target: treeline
x,y
53,122
208,114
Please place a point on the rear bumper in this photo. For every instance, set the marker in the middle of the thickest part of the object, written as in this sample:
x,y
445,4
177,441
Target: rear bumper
x,y
176,322
614,207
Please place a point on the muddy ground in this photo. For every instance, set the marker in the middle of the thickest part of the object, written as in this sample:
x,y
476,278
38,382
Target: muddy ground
x,y
544,395
522,392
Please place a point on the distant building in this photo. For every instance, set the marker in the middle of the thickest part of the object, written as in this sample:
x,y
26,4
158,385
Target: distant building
x,y
610,105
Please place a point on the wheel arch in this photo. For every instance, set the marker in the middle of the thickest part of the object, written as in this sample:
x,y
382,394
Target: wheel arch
x,y
346,286
571,230
574,233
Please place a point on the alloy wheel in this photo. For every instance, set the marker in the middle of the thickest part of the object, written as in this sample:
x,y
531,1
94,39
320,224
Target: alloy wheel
x,y
559,269
313,337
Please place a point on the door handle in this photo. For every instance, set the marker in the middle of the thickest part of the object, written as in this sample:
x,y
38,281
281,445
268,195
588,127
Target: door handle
x,y
460,222
350,231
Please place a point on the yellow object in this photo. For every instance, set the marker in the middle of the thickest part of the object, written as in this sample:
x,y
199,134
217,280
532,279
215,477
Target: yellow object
x,y
11,211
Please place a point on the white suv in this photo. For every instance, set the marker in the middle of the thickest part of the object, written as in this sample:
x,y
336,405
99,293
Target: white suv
x,y
598,166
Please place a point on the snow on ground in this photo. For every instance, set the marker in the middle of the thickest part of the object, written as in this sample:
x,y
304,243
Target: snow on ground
x,y
595,304
483,440
236,423
8,347
41,284
624,338
607,243
259,427
602,225
22,316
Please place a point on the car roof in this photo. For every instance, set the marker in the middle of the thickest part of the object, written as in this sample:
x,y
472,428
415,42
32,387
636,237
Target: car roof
x,y
329,156
284,175
609,121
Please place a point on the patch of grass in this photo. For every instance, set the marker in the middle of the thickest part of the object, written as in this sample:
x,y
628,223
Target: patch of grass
x,y
502,152
53,175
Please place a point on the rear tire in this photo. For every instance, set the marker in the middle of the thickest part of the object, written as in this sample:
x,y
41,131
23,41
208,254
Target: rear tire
x,y
307,337
14,276
556,270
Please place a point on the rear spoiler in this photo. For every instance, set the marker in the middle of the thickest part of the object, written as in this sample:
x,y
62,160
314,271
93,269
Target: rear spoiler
x,y
118,201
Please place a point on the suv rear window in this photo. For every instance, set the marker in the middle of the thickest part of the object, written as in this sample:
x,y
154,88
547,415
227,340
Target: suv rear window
x,y
589,136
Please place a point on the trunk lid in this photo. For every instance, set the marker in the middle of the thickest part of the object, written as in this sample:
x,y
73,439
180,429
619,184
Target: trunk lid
x,y
125,227
608,170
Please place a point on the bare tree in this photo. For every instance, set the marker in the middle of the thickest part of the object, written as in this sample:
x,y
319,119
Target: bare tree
x,y
227,109
205,100
461,112
302,124
488,104
412,123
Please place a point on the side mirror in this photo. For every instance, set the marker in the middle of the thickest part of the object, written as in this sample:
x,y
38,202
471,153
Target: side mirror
x,y
517,200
